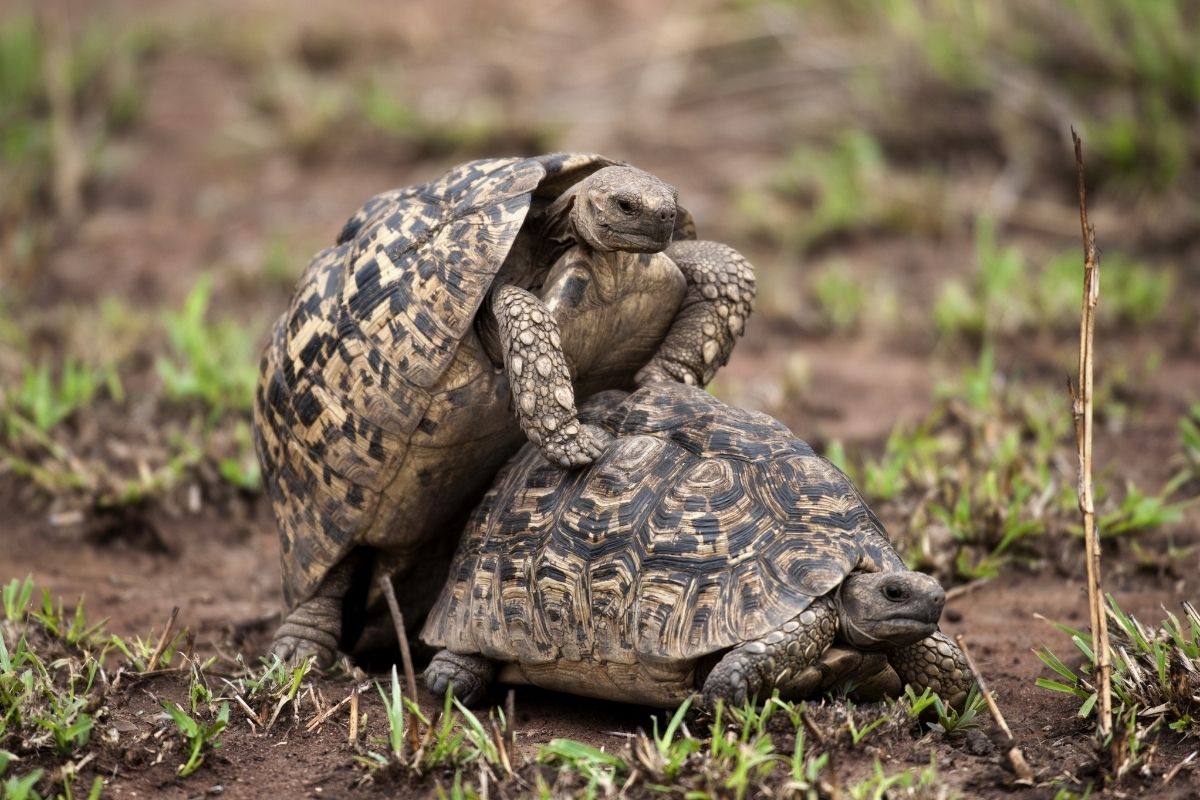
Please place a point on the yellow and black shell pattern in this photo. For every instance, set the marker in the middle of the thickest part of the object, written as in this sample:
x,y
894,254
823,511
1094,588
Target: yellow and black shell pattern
x,y
355,361
701,527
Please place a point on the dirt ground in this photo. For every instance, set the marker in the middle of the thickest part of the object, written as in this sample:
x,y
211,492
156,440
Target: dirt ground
x,y
223,164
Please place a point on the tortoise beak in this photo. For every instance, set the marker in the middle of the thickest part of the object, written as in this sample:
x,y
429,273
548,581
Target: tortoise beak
x,y
663,221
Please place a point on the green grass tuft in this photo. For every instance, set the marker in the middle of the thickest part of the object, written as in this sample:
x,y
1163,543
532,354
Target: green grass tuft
x,y
1156,671
1009,295
1189,440
197,734
987,478
599,770
215,363
948,720
45,400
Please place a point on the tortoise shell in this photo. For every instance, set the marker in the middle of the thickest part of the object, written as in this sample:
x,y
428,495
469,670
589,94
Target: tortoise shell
x,y
701,527
363,351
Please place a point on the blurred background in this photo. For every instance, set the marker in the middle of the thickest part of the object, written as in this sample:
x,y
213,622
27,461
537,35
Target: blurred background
x,y
899,173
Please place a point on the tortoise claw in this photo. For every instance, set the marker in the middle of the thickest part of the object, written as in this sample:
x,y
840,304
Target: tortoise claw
x,y
468,677
578,449
657,371
296,644
312,630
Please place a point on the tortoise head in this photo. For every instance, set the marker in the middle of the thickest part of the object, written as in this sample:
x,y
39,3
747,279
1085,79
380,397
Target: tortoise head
x,y
624,208
882,610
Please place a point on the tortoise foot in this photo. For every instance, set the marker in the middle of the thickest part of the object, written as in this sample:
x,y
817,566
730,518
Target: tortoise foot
x,y
312,629
780,660
660,371
937,663
468,677
293,650
576,449
719,299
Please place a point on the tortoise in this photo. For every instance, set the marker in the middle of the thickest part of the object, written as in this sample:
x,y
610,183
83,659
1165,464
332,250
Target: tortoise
x,y
387,391
706,549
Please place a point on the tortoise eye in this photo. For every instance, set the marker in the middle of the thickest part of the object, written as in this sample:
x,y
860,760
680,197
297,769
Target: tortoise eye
x,y
626,205
893,592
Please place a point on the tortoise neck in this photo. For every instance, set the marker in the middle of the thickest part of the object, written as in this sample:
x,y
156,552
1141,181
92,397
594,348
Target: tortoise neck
x,y
488,331
557,232
850,630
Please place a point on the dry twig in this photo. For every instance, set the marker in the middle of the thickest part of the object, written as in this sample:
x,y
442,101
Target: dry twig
x,y
1170,776
500,738
385,585
162,641
319,720
1082,412
966,588
253,717
67,157
1016,759
510,717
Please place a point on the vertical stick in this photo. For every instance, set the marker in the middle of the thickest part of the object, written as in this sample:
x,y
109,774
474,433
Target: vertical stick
x,y
510,717
1082,410
152,664
1016,759
67,157
389,593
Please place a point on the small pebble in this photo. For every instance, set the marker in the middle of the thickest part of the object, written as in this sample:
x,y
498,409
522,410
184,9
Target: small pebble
x,y
978,744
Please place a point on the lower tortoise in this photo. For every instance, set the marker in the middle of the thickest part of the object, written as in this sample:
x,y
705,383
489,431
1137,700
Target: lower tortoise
x,y
707,550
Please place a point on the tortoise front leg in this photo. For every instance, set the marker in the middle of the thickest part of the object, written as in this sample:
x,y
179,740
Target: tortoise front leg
x,y
778,660
937,663
541,382
720,296
864,675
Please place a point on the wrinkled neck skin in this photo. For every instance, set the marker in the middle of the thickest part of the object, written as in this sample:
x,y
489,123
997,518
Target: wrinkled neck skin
x,y
562,231
557,233
609,278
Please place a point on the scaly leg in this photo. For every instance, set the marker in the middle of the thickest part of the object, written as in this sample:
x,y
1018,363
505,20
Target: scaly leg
x,y
314,627
936,662
720,296
541,382
864,675
775,661
467,676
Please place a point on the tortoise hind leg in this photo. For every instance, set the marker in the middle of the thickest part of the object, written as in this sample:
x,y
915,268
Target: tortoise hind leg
x,y
937,663
720,295
779,660
467,676
314,627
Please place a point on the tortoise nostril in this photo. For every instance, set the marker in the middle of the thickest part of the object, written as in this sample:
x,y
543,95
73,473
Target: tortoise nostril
x,y
666,215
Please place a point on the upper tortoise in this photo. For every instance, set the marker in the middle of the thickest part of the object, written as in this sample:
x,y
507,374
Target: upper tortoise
x,y
707,549
387,392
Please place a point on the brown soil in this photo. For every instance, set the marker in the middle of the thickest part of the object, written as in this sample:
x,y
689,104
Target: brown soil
x,y
202,186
